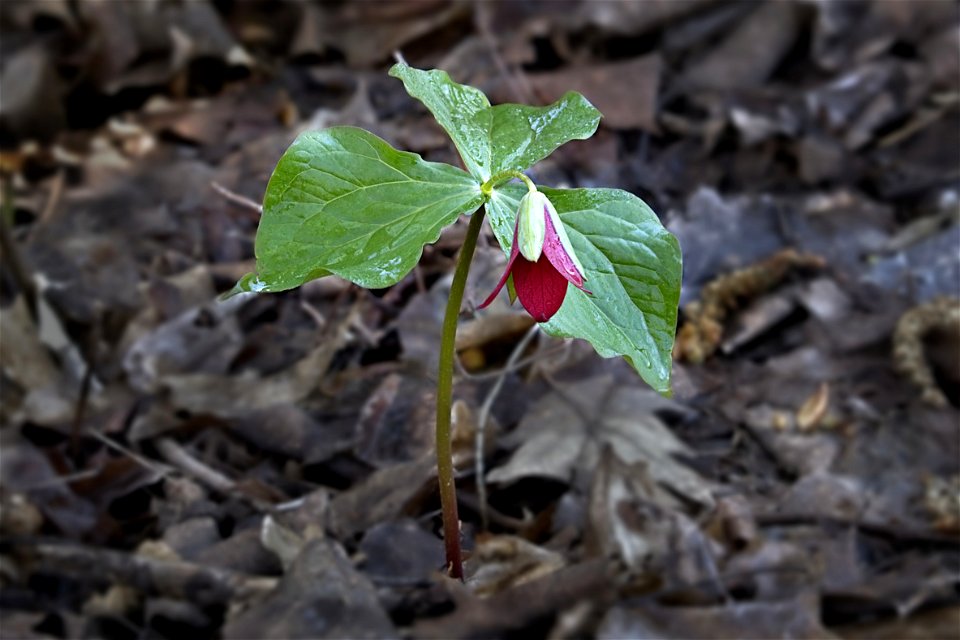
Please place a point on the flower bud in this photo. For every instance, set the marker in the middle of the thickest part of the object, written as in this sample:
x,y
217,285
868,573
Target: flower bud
x,y
531,224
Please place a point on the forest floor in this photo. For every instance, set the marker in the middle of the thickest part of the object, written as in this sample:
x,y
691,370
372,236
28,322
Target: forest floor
x,y
173,465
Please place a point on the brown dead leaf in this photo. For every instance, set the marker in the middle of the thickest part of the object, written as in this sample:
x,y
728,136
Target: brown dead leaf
x,y
367,33
401,551
562,436
323,596
201,340
797,618
231,395
385,495
503,561
941,622
26,470
32,104
626,93
24,359
396,422
633,18
517,607
629,515
751,51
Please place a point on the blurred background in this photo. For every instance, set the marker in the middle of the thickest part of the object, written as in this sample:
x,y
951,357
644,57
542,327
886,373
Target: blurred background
x,y
262,467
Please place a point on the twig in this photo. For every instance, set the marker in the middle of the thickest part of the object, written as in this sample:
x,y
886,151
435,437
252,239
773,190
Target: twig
x,y
314,314
200,584
58,481
182,459
159,469
484,415
236,198
489,375
86,382
56,191
186,462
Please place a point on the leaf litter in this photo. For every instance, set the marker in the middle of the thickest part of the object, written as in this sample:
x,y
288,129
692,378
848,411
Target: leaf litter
x,y
171,464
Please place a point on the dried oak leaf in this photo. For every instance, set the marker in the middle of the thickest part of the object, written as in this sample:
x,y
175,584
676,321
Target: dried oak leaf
x,y
562,435
322,596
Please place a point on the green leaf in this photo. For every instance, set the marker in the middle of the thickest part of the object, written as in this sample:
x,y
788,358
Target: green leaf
x,y
633,266
522,135
343,201
504,137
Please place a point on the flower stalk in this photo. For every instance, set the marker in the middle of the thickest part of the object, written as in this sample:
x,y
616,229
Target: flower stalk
x,y
445,471
548,263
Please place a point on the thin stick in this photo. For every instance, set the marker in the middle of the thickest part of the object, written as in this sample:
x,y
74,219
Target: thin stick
x,y
174,578
56,191
236,198
484,415
183,460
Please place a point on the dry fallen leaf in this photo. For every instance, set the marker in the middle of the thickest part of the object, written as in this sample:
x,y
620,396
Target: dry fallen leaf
x,y
562,435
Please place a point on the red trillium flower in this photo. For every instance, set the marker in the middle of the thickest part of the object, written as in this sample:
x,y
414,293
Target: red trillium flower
x,y
542,260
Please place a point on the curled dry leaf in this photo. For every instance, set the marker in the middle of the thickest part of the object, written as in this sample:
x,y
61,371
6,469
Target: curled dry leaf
x,y
702,332
505,561
942,314
812,412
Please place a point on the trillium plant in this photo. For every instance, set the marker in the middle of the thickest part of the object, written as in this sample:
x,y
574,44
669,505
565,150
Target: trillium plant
x,y
594,264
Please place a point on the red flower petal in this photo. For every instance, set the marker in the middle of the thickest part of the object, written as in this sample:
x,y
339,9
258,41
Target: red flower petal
x,y
514,252
553,249
540,287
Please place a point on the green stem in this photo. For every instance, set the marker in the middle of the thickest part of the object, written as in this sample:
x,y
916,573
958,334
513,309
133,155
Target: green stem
x,y
448,490
487,187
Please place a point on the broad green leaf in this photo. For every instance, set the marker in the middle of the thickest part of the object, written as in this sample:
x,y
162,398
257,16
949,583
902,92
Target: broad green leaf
x,y
522,135
500,138
343,201
633,266
462,111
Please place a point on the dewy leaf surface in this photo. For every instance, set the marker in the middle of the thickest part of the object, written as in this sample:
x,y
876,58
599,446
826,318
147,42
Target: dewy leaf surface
x,y
500,138
633,266
344,201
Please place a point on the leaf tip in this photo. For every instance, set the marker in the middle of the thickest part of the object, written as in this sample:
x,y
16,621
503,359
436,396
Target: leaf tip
x,y
249,283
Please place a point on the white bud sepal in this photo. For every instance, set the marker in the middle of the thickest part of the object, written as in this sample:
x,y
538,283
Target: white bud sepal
x,y
532,224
